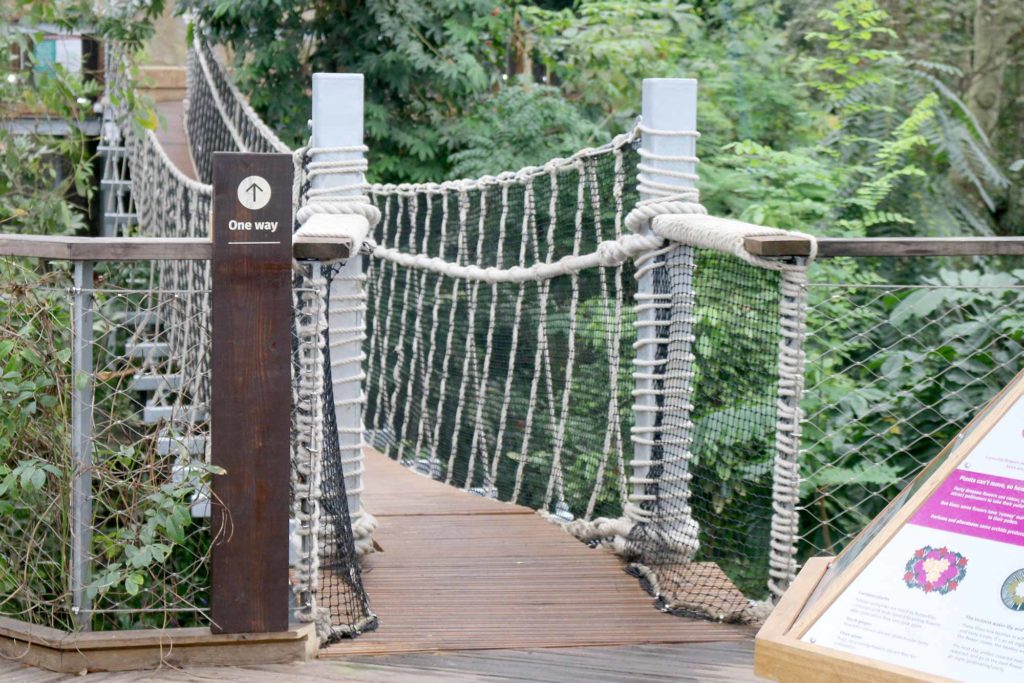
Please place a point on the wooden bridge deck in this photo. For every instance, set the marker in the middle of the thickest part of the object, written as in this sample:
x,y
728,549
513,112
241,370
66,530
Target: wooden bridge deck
x,y
461,572
172,136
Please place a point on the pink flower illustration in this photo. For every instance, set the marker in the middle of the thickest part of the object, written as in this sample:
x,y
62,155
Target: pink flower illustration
x,y
935,570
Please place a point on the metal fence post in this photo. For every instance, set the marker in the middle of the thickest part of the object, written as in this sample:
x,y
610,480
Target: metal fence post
x,y
81,441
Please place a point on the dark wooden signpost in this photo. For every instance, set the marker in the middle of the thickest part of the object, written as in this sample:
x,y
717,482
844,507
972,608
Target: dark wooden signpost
x,y
251,390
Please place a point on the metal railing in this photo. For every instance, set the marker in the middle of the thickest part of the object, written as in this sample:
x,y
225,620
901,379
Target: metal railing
x,y
900,356
103,442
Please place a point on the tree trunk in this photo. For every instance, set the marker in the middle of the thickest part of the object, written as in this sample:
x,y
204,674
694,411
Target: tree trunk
x,y
995,23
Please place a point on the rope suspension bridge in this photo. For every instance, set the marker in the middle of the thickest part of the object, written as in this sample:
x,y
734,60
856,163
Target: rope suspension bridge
x,y
483,295
516,387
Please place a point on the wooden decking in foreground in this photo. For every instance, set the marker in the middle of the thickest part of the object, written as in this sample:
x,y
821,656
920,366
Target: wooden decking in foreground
x,y
470,589
460,572
720,662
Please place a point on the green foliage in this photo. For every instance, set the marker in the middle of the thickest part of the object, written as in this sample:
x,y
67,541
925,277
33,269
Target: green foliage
x,y
425,63
600,50
520,125
146,545
47,180
856,24
888,406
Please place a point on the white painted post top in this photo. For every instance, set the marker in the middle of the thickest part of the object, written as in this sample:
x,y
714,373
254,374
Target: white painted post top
x,y
670,104
337,122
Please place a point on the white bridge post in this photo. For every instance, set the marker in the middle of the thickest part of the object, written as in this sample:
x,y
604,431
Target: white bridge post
x,y
669,105
338,122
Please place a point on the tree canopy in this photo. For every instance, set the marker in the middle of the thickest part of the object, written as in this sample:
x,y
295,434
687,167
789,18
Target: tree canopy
x,y
865,117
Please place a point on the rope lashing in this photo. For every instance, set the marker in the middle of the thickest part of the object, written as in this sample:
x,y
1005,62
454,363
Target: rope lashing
x,y
663,198
728,235
341,212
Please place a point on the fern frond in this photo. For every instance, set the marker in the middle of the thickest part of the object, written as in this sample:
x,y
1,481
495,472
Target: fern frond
x,y
950,96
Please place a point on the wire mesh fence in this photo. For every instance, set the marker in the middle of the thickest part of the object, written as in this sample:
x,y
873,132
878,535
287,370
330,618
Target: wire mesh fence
x,y
896,366
104,487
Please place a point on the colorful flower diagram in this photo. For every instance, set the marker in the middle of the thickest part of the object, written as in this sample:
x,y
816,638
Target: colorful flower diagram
x,y
935,570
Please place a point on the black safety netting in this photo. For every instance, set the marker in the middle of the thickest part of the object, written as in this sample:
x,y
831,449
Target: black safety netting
x,y
341,581
335,586
712,470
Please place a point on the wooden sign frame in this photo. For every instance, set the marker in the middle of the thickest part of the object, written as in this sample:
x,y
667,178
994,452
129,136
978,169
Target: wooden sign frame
x,y
779,652
251,391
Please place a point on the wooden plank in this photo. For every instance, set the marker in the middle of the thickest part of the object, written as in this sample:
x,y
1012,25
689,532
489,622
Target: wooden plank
x,y
726,661
106,248
791,661
251,391
832,247
322,251
786,612
778,246
149,648
171,131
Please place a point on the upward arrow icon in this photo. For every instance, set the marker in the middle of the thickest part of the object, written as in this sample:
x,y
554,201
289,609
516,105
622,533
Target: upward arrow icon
x,y
254,188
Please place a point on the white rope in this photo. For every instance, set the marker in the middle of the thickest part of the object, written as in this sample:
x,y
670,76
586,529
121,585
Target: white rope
x,y
612,418
376,272
469,347
786,484
556,483
506,399
727,236
396,373
213,67
218,103
452,312
608,254
428,369
307,444
383,409
521,177
479,439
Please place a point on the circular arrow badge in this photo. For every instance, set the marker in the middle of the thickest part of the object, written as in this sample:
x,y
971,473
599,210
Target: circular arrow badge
x,y
254,192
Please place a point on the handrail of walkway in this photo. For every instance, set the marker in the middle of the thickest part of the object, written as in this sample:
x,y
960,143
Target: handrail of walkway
x,y
832,247
141,248
201,249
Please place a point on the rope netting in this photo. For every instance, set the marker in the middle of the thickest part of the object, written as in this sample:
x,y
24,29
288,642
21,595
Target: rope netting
x,y
325,575
217,117
471,380
532,337
503,350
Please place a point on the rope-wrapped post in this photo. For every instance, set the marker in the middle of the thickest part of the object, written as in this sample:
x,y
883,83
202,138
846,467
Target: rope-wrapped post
x,y
659,504
336,195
